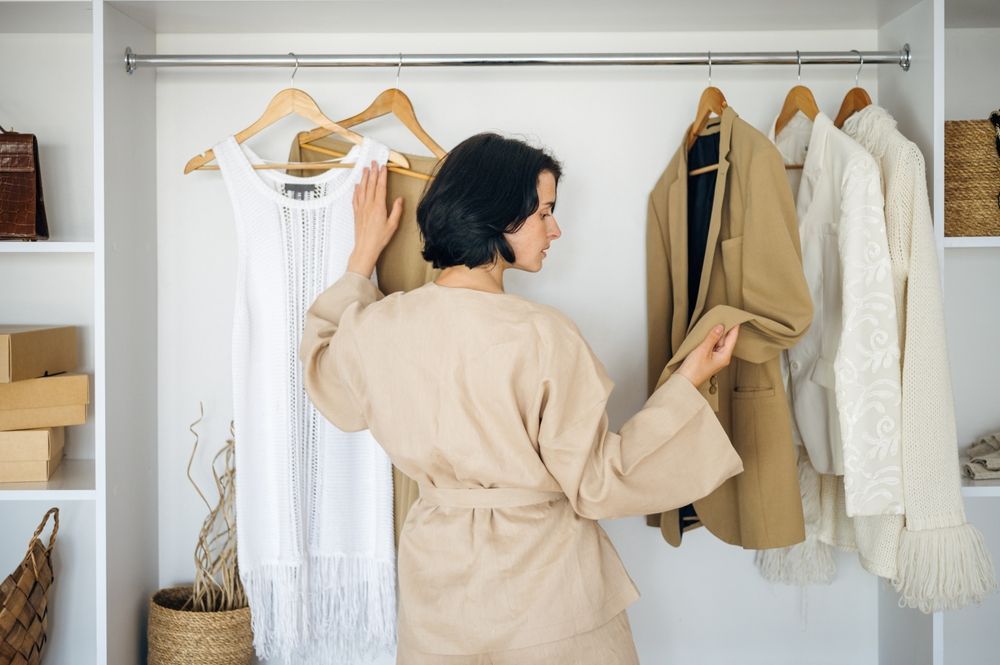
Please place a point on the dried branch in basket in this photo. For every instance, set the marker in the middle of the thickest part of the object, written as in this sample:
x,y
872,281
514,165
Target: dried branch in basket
x,y
217,585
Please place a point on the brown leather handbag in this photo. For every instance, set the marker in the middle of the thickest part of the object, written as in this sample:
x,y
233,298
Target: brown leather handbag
x,y
22,210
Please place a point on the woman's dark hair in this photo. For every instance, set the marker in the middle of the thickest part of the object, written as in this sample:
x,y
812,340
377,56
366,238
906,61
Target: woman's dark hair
x,y
485,187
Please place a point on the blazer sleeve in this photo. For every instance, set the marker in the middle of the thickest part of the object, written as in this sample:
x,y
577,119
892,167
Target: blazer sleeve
x,y
329,353
866,366
773,306
672,452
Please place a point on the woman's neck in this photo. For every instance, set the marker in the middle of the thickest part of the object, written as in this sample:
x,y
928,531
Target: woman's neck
x,y
480,278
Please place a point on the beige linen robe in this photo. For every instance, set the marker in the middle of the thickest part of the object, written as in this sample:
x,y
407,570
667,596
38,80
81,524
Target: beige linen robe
x,y
496,406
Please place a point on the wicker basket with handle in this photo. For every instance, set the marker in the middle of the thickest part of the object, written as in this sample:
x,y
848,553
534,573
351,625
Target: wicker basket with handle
x,y
971,179
24,600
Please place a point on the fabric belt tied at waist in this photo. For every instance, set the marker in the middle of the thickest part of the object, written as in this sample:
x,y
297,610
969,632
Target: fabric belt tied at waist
x,y
500,497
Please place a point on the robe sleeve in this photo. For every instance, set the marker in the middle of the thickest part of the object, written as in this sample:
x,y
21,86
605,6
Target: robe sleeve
x,y
672,452
333,377
773,305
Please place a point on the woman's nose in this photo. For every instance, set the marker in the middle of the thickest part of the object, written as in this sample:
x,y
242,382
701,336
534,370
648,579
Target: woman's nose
x,y
555,231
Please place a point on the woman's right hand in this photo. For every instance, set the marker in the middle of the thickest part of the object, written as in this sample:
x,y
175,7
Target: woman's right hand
x,y
714,353
374,223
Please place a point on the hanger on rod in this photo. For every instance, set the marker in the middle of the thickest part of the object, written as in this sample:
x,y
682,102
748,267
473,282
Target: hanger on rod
x,y
712,101
856,98
390,101
287,102
799,98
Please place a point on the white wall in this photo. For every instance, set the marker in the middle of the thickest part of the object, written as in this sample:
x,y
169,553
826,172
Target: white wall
x,y
971,78
615,130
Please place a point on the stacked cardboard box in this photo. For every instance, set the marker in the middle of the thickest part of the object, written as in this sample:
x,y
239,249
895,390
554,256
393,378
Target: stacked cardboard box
x,y
38,399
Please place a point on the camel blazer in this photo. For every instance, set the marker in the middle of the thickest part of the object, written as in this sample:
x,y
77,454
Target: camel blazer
x,y
752,275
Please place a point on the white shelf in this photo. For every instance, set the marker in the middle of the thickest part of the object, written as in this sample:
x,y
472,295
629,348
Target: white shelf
x,y
46,247
972,241
72,481
980,488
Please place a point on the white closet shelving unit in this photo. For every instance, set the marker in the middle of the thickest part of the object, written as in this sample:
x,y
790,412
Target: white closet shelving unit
x,y
63,77
967,64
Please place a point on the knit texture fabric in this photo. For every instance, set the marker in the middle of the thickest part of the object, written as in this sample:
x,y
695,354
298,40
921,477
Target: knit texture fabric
x,y
313,503
941,561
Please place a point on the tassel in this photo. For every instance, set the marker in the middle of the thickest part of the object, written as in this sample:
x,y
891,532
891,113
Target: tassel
x,y
943,569
809,562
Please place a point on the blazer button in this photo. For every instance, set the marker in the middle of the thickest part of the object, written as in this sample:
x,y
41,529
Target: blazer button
x,y
713,389
713,385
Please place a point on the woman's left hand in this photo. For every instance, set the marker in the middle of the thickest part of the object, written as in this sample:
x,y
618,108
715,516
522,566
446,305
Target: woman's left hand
x,y
374,224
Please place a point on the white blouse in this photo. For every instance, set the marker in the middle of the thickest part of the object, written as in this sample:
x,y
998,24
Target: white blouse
x,y
845,373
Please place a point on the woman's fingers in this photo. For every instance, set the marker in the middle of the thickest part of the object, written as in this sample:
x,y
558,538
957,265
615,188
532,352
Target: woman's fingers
x,y
380,185
725,346
712,339
364,185
397,212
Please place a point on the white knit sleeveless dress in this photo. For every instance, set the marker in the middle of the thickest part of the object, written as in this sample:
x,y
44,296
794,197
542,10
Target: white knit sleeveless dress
x,y
313,504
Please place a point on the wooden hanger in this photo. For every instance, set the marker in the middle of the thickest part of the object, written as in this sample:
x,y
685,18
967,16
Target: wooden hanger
x,y
799,98
287,102
712,101
391,101
856,98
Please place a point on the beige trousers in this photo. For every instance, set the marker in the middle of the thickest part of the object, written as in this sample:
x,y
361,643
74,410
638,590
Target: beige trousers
x,y
611,644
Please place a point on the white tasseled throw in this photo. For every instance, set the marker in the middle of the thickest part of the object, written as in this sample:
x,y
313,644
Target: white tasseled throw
x,y
314,504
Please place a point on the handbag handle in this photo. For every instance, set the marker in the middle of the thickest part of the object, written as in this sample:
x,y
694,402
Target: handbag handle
x,y
4,131
54,512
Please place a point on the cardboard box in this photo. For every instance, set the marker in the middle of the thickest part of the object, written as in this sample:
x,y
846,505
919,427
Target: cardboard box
x,y
31,444
54,401
31,470
30,352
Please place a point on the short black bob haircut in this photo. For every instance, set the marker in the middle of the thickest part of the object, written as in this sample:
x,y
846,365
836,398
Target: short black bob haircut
x,y
485,187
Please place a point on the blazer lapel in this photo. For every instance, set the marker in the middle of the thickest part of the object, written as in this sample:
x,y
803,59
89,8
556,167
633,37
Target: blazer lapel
x,y
678,234
715,222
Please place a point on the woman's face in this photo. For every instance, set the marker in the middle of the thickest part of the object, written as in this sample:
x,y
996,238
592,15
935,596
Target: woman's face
x,y
538,231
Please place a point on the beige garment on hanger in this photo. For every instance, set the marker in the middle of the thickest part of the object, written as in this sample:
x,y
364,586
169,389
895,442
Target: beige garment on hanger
x,y
400,268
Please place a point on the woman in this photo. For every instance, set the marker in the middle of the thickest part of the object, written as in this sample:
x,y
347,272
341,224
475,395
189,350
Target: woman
x,y
496,406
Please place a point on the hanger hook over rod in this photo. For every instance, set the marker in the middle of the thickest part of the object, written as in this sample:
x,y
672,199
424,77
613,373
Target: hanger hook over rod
x,y
399,68
296,70
710,68
861,63
798,60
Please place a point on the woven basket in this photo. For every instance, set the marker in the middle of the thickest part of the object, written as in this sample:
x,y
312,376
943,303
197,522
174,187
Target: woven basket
x,y
180,637
971,179
24,601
